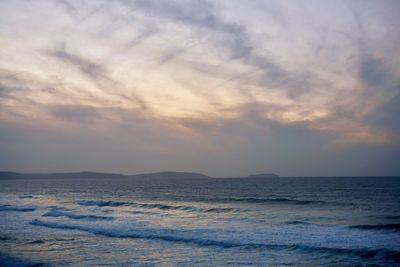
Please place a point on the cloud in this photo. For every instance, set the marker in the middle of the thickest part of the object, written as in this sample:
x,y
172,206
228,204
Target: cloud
x,y
98,75
173,53
79,114
141,37
85,66
373,73
226,76
231,36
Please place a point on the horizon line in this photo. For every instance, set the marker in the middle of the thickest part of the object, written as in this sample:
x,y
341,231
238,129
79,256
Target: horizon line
x,y
193,172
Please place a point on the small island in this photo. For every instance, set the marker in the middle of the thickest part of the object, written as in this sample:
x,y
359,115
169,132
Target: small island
x,y
263,175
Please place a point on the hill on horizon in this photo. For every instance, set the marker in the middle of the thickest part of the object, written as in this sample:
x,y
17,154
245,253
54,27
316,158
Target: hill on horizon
x,y
87,174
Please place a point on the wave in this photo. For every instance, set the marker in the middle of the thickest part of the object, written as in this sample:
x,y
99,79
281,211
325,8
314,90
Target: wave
x,y
375,254
166,235
297,223
101,203
26,196
5,238
17,208
184,236
394,217
141,212
392,226
57,212
37,242
267,200
181,207
362,227
6,260
160,234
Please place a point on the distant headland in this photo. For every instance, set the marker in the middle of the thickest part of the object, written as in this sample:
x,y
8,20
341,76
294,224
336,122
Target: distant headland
x,y
99,175
94,175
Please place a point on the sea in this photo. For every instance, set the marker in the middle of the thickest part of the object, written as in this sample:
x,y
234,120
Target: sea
x,y
282,221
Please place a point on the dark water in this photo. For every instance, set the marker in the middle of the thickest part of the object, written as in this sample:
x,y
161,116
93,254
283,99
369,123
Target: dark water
x,y
203,222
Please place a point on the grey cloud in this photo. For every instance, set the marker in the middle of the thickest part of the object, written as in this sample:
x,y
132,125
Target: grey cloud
x,y
97,74
218,71
171,54
143,36
16,86
198,125
373,72
92,13
80,114
4,90
85,66
68,6
249,114
232,36
74,10
274,11
193,12
387,116
22,86
379,78
372,69
8,80
7,90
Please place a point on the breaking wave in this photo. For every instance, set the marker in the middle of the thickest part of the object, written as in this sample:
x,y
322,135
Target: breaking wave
x,y
101,203
392,226
186,236
37,242
17,208
26,196
361,227
272,200
57,212
393,217
297,223
9,261
181,207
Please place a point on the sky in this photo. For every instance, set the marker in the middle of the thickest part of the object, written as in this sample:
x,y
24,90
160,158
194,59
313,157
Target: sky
x,y
225,88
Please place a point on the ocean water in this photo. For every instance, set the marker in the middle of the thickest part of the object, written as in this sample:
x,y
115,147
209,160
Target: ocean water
x,y
200,222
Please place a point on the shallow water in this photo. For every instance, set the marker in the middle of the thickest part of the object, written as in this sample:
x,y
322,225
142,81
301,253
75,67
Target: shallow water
x,y
204,222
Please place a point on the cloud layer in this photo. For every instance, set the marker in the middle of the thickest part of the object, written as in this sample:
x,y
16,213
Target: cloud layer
x,y
220,87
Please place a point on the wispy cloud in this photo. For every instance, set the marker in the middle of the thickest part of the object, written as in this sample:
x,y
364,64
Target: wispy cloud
x,y
85,66
98,75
